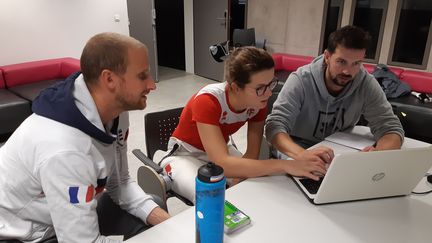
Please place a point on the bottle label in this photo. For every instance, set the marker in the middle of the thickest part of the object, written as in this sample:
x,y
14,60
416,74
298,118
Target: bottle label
x,y
216,178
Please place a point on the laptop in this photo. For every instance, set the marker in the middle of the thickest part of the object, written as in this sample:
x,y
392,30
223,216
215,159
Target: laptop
x,y
368,175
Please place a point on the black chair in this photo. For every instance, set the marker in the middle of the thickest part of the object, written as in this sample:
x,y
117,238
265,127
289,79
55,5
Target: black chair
x,y
244,37
260,43
50,240
158,128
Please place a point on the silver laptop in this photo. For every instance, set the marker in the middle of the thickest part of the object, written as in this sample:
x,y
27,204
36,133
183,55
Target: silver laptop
x,y
367,175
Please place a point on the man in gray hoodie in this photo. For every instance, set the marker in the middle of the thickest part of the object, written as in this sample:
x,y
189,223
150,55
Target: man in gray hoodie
x,y
329,95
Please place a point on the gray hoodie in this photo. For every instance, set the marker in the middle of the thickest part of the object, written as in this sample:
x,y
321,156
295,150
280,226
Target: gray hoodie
x,y
305,109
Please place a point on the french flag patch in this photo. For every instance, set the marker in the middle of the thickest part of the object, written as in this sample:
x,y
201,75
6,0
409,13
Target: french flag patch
x,y
79,194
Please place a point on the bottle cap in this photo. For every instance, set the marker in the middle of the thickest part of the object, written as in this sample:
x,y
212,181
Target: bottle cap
x,y
210,173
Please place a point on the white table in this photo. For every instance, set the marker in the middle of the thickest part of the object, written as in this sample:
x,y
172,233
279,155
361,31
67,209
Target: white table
x,y
281,213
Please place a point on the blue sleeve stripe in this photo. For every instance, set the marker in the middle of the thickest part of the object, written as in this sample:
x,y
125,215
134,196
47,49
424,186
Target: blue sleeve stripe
x,y
73,194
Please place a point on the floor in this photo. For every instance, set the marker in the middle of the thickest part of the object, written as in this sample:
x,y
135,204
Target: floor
x,y
173,90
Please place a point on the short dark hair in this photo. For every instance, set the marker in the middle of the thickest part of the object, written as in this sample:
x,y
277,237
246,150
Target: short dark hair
x,y
106,51
350,37
243,62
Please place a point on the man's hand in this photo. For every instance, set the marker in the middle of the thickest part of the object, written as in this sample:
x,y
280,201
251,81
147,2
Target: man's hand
x,y
368,149
157,216
389,141
319,154
386,142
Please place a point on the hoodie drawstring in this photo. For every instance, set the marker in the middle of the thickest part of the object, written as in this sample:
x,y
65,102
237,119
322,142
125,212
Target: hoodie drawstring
x,y
325,121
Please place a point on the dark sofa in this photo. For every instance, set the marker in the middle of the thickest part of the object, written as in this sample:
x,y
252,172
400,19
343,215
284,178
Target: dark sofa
x,y
13,109
415,115
21,83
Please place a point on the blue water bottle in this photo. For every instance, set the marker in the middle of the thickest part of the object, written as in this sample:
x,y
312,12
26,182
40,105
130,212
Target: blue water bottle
x,y
209,204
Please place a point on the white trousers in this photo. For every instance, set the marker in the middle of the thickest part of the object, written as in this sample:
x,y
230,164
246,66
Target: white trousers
x,y
182,167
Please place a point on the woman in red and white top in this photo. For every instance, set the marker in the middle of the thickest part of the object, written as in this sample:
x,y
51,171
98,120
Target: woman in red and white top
x,y
218,111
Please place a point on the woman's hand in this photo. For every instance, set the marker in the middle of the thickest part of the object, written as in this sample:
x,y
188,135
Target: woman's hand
x,y
310,169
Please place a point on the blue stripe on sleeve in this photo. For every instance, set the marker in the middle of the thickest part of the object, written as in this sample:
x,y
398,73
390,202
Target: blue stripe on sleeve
x,y
73,194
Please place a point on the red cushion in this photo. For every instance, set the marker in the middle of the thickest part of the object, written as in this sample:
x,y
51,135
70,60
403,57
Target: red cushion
x,y
369,67
2,82
30,72
397,71
290,62
419,81
69,66
277,58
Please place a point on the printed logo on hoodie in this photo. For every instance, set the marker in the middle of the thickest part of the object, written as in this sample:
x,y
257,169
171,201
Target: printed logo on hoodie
x,y
122,137
328,123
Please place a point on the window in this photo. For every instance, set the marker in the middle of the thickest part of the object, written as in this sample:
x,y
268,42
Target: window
x,y
411,41
370,15
331,19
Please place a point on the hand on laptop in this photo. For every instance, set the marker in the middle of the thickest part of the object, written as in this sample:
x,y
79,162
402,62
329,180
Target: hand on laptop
x,y
368,149
310,169
320,154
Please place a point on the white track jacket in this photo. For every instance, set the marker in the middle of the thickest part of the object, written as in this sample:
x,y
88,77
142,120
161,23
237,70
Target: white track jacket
x,y
57,163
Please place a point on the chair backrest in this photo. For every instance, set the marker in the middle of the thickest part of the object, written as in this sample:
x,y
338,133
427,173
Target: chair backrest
x,y
260,43
158,129
244,37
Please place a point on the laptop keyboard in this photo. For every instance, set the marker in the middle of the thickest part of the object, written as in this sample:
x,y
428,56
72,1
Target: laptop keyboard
x,y
311,185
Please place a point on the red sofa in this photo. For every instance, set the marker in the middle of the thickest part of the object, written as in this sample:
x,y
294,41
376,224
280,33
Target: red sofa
x,y
419,81
415,115
21,83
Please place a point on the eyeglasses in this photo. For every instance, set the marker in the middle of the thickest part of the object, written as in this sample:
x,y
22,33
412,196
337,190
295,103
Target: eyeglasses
x,y
261,90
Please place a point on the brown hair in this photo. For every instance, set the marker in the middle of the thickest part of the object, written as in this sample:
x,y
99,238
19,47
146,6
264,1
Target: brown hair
x,y
244,62
350,37
106,51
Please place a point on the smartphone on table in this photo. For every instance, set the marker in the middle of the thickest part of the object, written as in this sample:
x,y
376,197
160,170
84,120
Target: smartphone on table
x,y
234,218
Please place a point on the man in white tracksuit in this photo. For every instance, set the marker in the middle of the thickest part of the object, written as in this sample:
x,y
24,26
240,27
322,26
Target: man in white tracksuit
x,y
57,164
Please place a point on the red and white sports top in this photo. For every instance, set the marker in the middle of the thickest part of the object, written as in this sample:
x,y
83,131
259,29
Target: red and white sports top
x,y
211,106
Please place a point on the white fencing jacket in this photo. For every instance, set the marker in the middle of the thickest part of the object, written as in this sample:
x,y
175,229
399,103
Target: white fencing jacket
x,y
57,163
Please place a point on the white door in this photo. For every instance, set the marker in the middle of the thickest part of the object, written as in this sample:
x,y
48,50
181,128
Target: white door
x,y
142,26
211,25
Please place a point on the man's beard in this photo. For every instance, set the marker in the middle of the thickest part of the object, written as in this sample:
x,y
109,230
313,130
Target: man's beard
x,y
334,79
339,83
127,105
